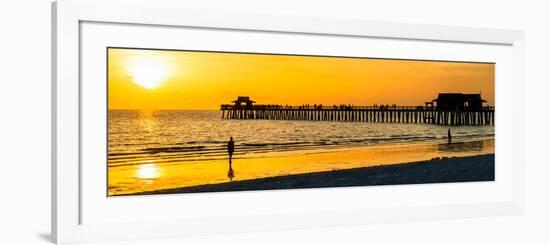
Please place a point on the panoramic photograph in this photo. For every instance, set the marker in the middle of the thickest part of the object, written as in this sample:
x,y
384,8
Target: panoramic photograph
x,y
186,121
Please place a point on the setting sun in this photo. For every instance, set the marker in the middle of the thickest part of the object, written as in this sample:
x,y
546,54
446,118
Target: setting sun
x,y
189,80
148,72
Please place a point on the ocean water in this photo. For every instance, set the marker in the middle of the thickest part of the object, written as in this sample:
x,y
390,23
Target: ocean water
x,y
137,137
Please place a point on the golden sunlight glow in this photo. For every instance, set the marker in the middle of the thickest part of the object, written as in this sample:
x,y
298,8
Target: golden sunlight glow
x,y
213,172
147,171
193,80
148,72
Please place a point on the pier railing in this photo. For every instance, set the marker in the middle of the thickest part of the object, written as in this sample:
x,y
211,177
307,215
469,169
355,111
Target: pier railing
x,y
375,113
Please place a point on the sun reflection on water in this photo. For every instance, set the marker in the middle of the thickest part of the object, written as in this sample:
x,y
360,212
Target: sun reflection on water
x,y
147,171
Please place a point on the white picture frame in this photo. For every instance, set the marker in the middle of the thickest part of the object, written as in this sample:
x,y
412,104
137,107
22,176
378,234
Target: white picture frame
x,y
67,197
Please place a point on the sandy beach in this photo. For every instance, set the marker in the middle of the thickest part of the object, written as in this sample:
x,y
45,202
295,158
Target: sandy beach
x,y
456,169
375,165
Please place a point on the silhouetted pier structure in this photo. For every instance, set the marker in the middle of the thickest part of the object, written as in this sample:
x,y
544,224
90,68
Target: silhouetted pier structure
x,y
447,109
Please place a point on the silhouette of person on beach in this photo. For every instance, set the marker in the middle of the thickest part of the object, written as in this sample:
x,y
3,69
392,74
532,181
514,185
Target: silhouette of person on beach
x,y
449,137
230,147
230,150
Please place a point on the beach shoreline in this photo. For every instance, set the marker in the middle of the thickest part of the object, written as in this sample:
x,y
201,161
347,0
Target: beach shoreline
x,y
438,170
153,176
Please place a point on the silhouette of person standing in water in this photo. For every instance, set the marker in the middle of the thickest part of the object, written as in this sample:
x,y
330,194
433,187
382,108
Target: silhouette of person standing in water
x,y
449,137
230,150
230,147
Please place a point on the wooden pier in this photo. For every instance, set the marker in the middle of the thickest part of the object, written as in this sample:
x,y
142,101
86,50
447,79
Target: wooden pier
x,y
379,114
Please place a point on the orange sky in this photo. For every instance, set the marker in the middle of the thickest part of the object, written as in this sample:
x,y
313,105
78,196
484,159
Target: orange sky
x,y
156,79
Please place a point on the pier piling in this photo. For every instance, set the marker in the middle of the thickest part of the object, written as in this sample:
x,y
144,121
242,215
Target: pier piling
x,y
393,114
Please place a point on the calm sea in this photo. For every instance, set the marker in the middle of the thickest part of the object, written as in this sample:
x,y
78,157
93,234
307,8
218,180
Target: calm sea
x,y
137,137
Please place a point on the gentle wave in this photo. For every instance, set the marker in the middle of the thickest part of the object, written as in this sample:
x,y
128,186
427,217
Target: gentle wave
x,y
217,150
137,137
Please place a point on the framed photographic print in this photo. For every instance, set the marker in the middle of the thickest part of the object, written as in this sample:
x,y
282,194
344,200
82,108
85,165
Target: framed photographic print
x,y
171,122
177,122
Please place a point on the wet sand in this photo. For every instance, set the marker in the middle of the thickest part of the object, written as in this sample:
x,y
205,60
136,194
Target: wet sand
x,y
305,169
456,169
